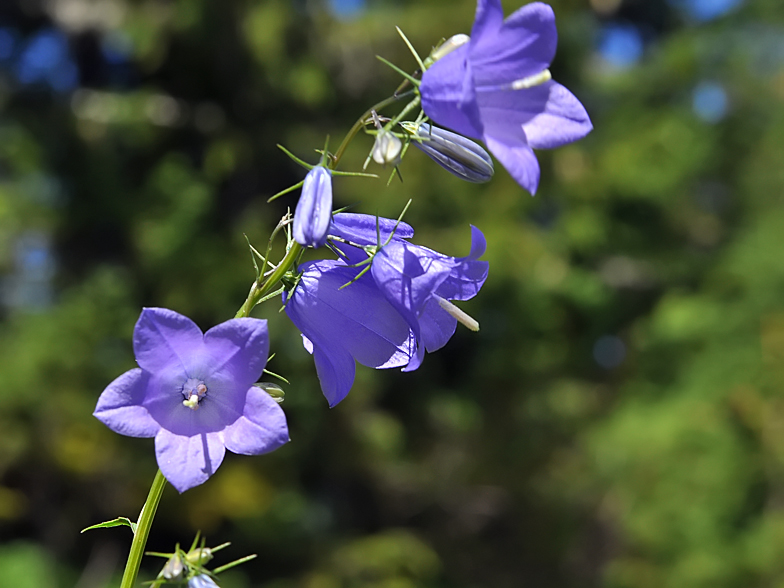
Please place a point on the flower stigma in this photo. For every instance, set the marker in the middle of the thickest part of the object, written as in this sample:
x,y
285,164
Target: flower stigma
x,y
193,390
462,317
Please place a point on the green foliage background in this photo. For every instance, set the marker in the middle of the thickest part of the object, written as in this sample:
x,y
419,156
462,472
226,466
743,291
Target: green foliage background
x,y
510,458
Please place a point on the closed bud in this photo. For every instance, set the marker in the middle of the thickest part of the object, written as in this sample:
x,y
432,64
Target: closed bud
x,y
458,155
386,149
314,209
174,568
273,390
199,556
202,581
447,47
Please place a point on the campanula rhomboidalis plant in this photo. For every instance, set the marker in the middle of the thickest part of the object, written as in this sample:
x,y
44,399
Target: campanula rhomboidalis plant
x,y
377,299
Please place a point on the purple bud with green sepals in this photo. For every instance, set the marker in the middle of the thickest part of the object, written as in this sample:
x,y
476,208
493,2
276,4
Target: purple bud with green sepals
x,y
314,209
458,155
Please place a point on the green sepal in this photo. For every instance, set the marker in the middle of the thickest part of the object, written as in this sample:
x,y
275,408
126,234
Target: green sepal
x,y
411,48
237,562
286,190
295,158
409,77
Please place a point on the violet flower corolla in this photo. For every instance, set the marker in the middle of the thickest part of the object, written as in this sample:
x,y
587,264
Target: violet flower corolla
x,y
418,282
497,87
342,325
314,209
194,393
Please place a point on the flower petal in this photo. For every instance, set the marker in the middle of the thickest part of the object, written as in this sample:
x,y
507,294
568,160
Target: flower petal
x,y
408,275
468,275
239,349
260,429
362,228
518,159
437,326
562,120
164,340
448,94
335,369
489,18
187,461
120,406
357,318
524,45
355,322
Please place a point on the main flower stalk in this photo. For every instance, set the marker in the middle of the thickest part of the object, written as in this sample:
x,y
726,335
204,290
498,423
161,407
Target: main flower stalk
x,y
143,526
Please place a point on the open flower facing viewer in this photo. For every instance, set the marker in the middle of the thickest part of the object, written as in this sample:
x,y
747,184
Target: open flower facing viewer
x,y
194,393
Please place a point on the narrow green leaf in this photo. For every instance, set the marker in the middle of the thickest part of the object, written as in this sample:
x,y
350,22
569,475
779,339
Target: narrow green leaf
x,y
118,522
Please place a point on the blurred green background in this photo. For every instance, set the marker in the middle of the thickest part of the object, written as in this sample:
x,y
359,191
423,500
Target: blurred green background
x,y
619,419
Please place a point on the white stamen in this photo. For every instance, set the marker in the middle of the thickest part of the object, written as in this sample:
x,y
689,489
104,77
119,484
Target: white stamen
x,y
463,318
192,402
531,81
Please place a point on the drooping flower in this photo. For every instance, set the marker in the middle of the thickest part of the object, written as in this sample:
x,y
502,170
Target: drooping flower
x,y
314,209
194,393
341,326
497,88
389,316
421,283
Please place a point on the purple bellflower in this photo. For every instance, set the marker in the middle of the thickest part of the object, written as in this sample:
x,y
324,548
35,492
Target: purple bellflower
x,y
421,283
194,393
497,88
341,326
314,209
389,316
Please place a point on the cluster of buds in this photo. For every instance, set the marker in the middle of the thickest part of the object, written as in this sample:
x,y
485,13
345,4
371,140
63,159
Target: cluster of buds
x,y
187,567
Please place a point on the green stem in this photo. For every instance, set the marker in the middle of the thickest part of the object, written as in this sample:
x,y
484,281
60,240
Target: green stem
x,y
143,531
359,124
259,290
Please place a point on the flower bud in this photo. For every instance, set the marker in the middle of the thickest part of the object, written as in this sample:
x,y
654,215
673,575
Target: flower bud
x,y
447,47
314,209
202,581
199,556
174,568
273,390
386,149
458,155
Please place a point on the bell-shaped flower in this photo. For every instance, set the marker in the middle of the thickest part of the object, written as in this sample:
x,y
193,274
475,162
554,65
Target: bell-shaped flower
x,y
314,209
342,325
194,393
497,88
418,282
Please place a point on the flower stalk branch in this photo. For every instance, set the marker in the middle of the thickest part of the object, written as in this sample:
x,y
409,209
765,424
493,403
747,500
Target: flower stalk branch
x,y
260,289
